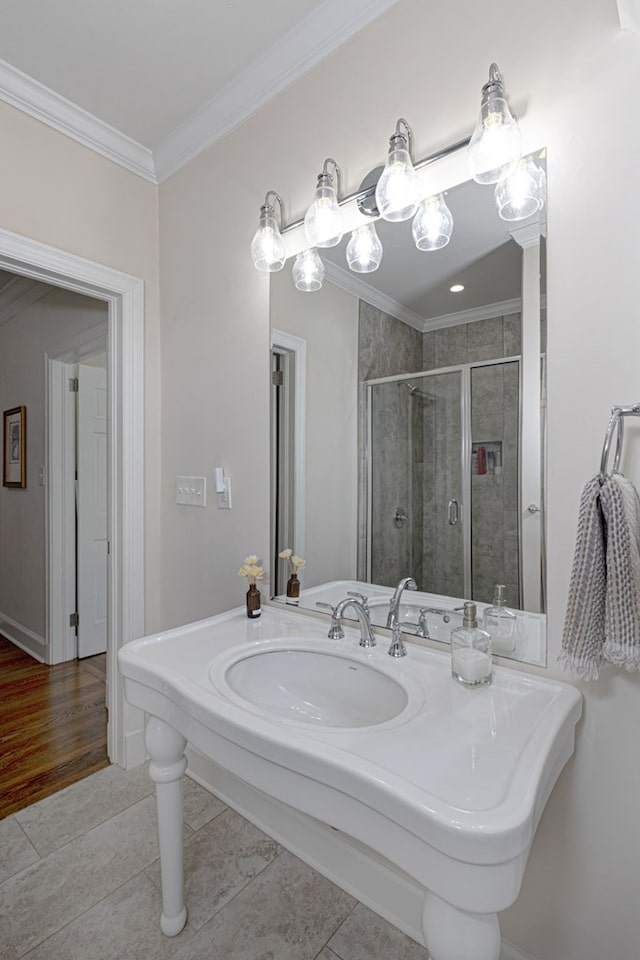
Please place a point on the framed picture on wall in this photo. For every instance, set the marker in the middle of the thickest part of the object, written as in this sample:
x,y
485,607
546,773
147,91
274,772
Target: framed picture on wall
x,y
14,447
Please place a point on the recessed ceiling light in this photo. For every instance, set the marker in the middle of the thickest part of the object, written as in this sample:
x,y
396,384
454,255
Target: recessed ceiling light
x,y
457,288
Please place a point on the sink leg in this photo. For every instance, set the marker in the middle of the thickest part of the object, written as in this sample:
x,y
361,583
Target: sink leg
x,y
452,934
166,747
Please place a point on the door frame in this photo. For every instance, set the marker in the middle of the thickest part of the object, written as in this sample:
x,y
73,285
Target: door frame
x,y
124,295
296,349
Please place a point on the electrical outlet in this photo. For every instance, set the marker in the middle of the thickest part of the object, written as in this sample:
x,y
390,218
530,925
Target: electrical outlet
x,y
191,491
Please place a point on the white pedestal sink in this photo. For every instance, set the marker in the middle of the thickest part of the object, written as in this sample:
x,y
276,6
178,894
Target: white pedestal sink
x,y
448,784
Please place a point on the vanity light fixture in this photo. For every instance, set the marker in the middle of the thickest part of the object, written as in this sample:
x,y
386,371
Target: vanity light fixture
x,y
521,190
496,140
364,250
308,271
323,220
398,189
267,246
433,224
457,288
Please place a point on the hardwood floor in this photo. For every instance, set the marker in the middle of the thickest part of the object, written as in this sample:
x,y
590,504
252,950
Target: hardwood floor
x,y
53,725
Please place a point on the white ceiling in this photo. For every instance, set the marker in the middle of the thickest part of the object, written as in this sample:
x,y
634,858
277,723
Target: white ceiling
x,y
150,83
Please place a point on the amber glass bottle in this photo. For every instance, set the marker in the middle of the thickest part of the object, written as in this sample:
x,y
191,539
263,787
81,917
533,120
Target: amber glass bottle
x,y
254,608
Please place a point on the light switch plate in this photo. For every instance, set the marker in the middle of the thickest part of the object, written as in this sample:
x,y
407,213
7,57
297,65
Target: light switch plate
x,y
224,498
191,491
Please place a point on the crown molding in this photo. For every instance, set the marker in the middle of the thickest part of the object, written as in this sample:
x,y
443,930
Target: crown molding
x,y
351,283
500,309
293,55
528,235
33,98
19,293
278,68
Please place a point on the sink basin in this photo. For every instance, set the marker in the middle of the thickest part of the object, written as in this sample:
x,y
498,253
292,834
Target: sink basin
x,y
317,688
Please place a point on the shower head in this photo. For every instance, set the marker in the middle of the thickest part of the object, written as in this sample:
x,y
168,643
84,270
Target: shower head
x,y
409,386
413,390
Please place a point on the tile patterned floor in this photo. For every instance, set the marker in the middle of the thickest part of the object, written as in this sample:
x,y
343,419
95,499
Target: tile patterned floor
x,y
79,879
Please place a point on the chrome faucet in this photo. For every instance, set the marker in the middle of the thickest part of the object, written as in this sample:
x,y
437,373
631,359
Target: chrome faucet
x,y
367,637
407,583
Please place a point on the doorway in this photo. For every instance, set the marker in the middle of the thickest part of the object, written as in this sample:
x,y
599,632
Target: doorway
x,y
287,445
124,297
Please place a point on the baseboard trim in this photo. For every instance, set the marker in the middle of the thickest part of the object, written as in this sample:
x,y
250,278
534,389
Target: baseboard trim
x,y
27,640
351,866
134,749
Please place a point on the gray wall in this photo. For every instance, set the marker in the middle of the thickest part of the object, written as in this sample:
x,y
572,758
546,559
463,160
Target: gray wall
x,y
386,347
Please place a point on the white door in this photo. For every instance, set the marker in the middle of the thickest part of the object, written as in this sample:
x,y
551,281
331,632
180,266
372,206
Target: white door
x,y
92,510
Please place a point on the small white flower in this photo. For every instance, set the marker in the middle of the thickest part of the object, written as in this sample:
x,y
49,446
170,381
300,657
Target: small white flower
x,y
286,553
297,562
251,560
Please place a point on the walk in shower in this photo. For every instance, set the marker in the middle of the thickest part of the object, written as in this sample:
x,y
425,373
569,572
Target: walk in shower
x,y
441,463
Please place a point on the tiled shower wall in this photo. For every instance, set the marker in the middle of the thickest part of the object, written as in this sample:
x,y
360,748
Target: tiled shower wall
x,y
427,547
387,347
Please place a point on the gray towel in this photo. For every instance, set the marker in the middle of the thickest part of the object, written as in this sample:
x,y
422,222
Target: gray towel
x,y
602,621
583,634
621,508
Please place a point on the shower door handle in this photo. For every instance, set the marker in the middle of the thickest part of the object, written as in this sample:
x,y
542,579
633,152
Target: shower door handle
x,y
454,512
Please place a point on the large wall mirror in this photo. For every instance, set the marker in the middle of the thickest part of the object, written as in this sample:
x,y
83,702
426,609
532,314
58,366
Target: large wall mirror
x,y
408,413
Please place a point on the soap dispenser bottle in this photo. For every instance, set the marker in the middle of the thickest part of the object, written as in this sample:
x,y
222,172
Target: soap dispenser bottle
x,y
470,650
500,622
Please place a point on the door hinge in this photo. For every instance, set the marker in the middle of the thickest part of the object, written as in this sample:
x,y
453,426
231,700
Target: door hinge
x,y
74,620
277,378
73,384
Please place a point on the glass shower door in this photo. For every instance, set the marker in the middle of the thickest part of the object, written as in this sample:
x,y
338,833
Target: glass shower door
x,y
416,516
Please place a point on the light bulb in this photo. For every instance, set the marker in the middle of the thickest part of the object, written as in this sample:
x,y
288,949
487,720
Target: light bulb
x,y
398,189
364,250
267,247
308,271
433,224
496,140
323,220
521,190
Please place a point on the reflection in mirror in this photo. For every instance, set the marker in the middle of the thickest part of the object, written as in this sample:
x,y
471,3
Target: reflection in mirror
x,y
407,423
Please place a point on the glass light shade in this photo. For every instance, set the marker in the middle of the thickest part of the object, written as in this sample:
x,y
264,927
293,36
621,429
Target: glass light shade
x,y
323,220
433,224
267,246
364,250
398,191
308,271
521,190
496,141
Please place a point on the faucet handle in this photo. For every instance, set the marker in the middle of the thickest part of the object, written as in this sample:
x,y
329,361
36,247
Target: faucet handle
x,y
397,648
335,630
419,629
361,597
